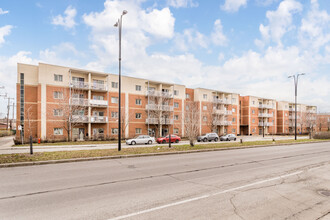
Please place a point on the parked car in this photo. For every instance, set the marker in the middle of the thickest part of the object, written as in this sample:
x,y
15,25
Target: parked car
x,y
174,138
208,137
141,139
228,137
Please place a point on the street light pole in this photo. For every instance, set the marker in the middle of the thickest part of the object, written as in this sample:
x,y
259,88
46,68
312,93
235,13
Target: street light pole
x,y
119,25
295,79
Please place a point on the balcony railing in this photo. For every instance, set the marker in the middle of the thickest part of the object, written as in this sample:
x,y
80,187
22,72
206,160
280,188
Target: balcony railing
x,y
292,117
159,94
95,102
222,123
79,119
222,101
265,115
292,124
266,124
159,107
222,112
79,85
79,101
265,106
99,86
99,119
162,121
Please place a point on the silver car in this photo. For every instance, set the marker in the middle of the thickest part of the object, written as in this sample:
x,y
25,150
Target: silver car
x,y
228,137
141,139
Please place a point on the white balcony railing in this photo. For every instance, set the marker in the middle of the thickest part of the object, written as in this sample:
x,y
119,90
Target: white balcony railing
x,y
99,119
159,94
222,112
266,115
95,102
159,107
99,86
223,123
266,124
222,101
79,101
79,85
79,119
162,121
265,106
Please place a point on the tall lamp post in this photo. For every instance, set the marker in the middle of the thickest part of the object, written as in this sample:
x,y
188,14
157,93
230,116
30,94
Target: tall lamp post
x,y
119,25
295,79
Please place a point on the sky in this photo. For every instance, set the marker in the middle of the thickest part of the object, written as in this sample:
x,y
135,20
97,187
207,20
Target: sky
x,y
248,47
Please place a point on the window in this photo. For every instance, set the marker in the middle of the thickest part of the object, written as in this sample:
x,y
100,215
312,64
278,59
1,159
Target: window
x,y
114,130
187,96
114,114
58,95
253,120
138,115
204,107
234,110
138,130
253,102
234,119
114,99
58,78
176,92
58,131
204,96
176,131
253,111
114,84
286,114
233,100
58,112
176,117
137,87
253,130
233,130
176,105
204,118
187,107
98,97
138,101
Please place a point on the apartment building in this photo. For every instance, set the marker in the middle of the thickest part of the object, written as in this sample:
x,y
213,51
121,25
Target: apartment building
x,y
322,122
258,115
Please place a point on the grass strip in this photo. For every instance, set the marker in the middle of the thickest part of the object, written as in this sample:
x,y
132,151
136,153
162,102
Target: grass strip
x,y
59,155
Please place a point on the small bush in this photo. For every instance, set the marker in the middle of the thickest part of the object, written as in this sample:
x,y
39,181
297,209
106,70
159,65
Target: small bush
x,y
321,135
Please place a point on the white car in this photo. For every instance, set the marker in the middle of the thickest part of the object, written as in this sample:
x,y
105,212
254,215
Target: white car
x,y
141,139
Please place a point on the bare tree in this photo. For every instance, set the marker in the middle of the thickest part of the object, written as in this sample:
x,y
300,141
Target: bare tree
x,y
212,116
322,122
310,122
125,121
191,122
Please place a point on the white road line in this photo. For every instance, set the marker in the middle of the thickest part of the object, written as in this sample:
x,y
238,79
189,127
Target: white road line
x,y
204,196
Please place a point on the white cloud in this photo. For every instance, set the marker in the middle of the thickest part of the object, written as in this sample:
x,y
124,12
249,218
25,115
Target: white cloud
x,y
4,31
265,2
67,20
182,3
279,21
218,38
190,39
233,5
2,12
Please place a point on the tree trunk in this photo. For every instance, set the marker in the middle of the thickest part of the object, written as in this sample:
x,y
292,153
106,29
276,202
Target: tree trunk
x,y
191,143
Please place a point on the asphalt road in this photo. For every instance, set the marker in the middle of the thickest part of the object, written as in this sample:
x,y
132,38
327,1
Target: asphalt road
x,y
8,149
283,182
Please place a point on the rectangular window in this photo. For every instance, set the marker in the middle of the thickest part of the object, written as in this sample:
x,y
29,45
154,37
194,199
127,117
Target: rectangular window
x,y
233,130
234,119
176,92
114,114
204,107
138,102
204,96
176,117
233,100
253,102
22,103
234,110
114,130
114,85
138,115
204,118
138,130
58,112
187,96
253,130
176,131
253,111
58,78
253,120
176,105
98,97
58,95
58,131
114,100
137,87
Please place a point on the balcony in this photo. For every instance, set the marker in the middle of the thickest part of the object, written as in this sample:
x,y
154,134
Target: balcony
x,y
79,85
99,87
292,117
266,124
222,112
163,121
159,94
79,119
79,101
311,111
265,115
293,124
98,103
222,123
159,107
222,101
99,119
265,106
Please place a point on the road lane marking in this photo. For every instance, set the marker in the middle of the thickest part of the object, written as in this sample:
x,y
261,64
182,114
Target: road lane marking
x,y
205,196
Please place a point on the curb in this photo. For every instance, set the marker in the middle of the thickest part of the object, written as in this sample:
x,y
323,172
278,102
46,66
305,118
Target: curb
x,y
32,163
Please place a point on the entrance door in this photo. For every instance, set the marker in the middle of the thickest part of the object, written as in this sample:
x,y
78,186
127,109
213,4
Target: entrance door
x,y
81,134
260,131
164,132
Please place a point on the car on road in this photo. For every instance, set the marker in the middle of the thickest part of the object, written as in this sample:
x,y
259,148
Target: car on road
x,y
208,137
166,139
141,139
228,137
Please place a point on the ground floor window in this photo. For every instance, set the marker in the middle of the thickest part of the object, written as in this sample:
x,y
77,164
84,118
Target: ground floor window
x,y
138,130
114,130
233,130
176,131
58,131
